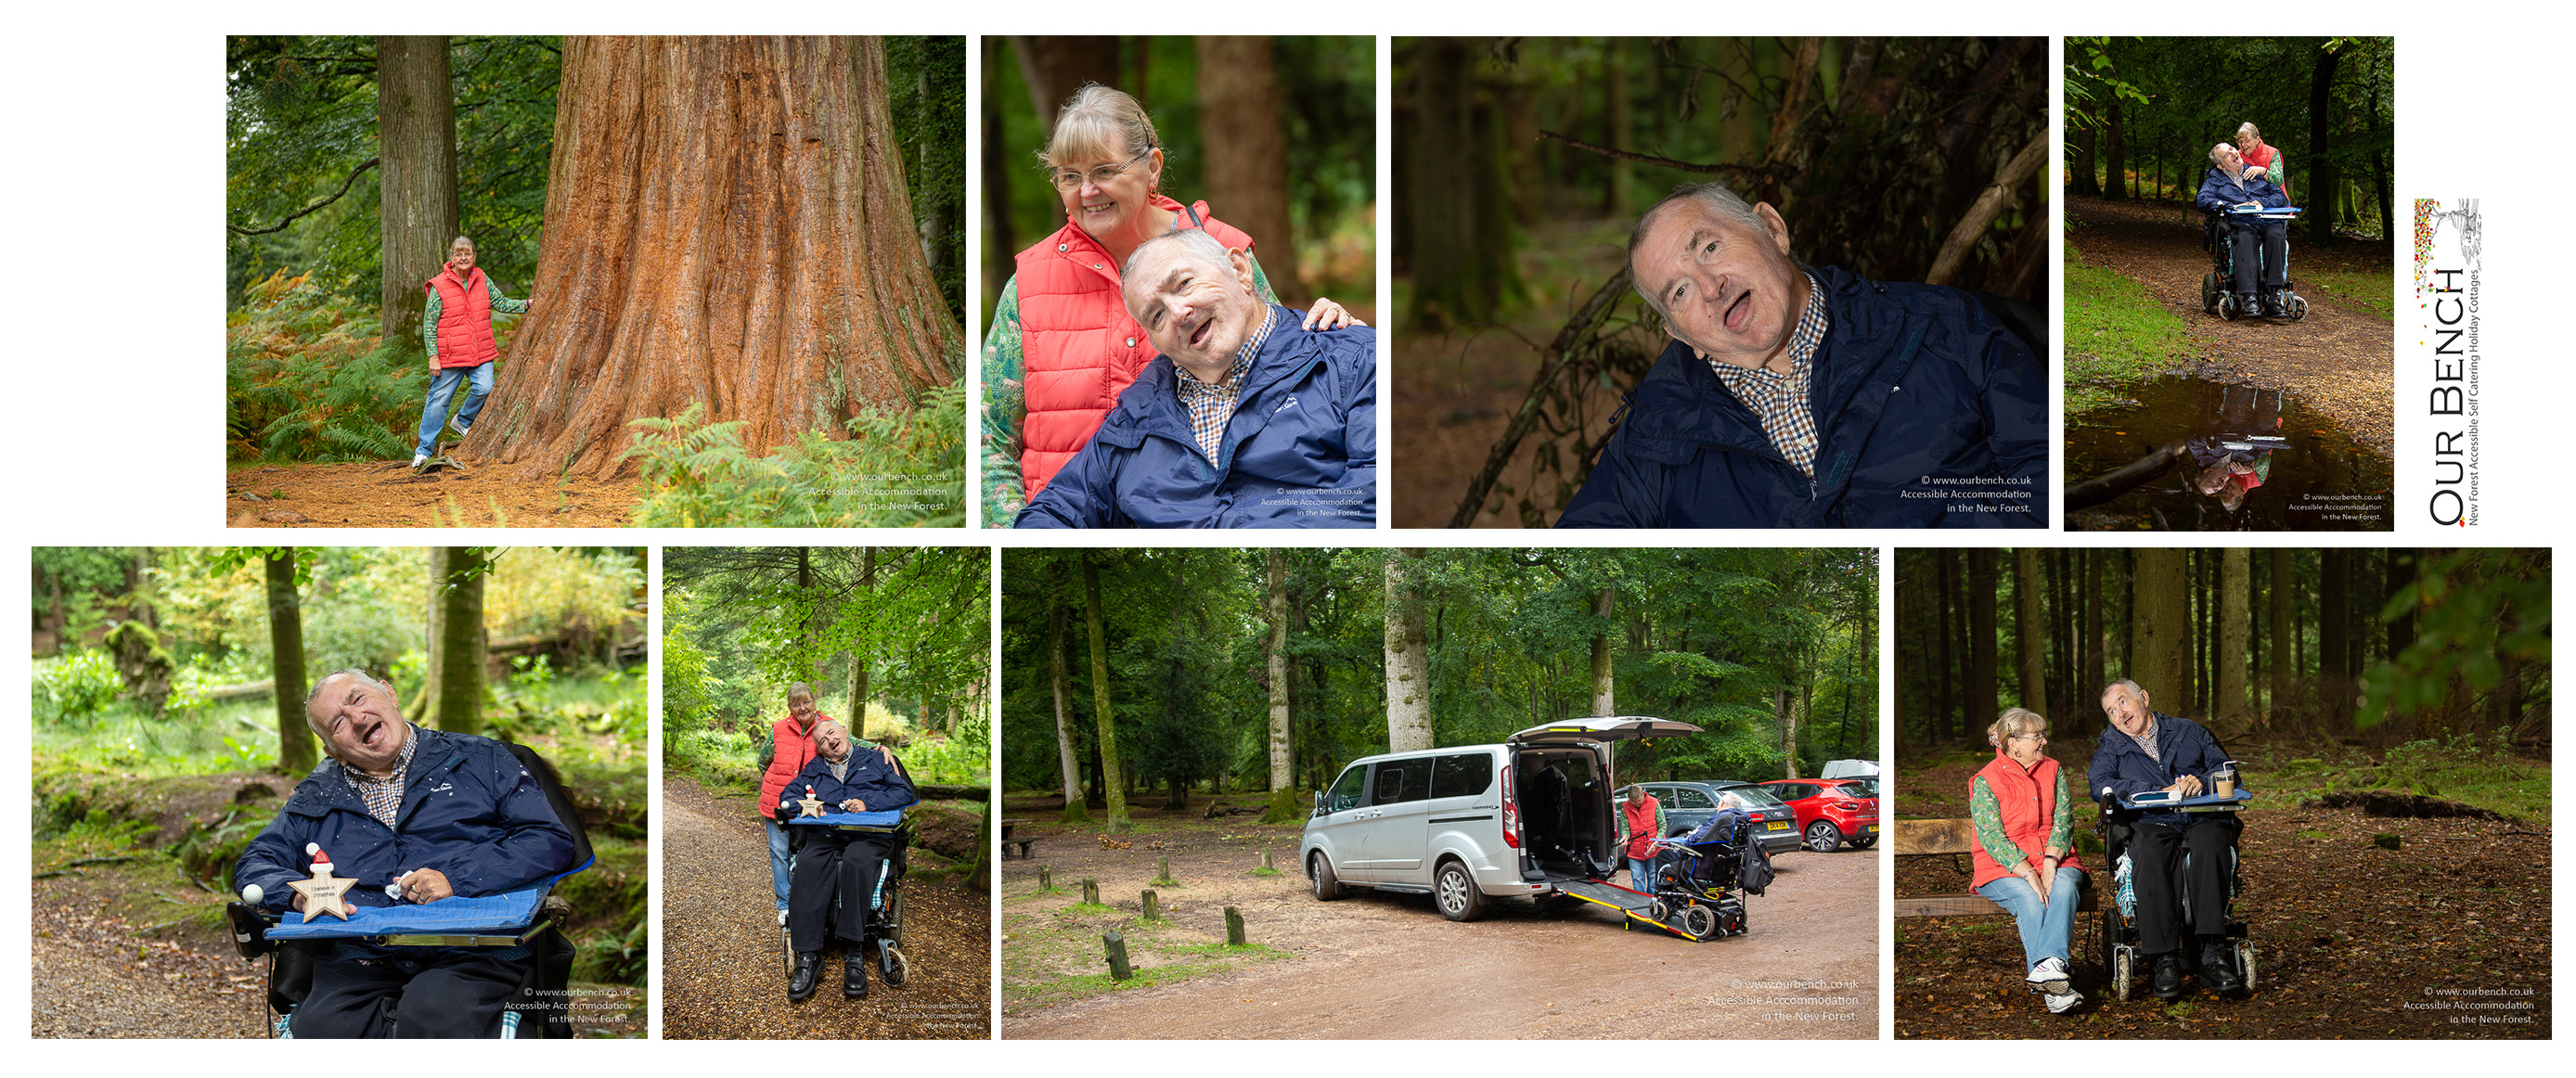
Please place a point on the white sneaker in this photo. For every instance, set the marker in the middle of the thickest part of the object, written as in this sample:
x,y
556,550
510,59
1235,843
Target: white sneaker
x,y
2060,1003
782,918
2048,978
416,460
459,428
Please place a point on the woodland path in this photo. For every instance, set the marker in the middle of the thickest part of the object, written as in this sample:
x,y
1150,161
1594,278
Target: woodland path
x,y
387,495
2339,359
100,975
722,972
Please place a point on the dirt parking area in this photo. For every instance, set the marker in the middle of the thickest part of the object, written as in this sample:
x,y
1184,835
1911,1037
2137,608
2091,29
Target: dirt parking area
x,y
1376,965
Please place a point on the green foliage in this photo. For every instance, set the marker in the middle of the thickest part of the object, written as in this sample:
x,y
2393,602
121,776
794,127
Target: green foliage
x,y
75,686
927,77
895,470
306,379
2114,331
2473,609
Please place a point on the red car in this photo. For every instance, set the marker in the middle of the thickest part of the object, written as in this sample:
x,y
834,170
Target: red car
x,y
1832,811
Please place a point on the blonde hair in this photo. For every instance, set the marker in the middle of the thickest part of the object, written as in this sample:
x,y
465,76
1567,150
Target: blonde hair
x,y
2013,723
2248,128
1094,121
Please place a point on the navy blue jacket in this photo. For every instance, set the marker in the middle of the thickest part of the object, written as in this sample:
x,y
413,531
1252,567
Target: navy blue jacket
x,y
2183,747
469,810
1913,385
2220,191
873,781
1300,452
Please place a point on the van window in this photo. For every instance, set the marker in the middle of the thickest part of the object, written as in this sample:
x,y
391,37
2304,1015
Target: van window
x,y
1684,797
1402,780
1464,775
1345,793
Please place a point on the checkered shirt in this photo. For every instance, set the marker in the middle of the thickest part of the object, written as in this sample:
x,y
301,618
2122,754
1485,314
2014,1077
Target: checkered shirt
x,y
1211,407
1780,400
2147,741
384,795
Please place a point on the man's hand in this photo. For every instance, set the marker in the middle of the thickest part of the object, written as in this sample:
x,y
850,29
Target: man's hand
x,y
2186,786
854,805
298,903
425,885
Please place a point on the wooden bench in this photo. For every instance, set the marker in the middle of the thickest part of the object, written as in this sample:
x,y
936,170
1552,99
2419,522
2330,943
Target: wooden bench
x,y
1925,838
1023,842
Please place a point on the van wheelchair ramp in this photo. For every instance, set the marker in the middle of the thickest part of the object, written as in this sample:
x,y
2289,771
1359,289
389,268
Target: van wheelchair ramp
x,y
1633,906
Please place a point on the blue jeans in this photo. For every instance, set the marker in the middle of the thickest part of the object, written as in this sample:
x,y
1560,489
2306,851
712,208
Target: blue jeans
x,y
1641,874
442,386
778,860
2044,926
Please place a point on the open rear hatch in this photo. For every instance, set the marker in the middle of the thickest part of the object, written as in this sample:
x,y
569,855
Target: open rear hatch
x,y
1598,731
1575,840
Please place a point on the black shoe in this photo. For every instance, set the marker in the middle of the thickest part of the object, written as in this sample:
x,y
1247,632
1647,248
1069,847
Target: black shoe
x,y
889,965
809,968
854,973
2168,976
2218,970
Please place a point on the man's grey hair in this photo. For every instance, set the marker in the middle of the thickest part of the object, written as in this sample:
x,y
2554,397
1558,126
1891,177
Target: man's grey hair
x,y
2134,688
355,674
1196,241
1730,800
1716,197
2215,151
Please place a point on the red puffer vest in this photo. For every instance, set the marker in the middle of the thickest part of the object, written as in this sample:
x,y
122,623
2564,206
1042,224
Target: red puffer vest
x,y
2029,803
1641,826
1079,344
795,750
2263,154
464,318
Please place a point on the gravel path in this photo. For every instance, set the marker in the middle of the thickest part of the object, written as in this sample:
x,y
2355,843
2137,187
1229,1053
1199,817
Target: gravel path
x,y
722,973
95,977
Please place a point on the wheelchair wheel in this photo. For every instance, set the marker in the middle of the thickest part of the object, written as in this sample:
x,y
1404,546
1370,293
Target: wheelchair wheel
x,y
891,921
2245,962
2227,308
2298,308
2209,293
2120,974
787,951
1699,921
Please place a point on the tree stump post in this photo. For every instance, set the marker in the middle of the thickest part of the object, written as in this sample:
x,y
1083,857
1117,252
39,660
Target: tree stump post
x,y
1090,891
1233,927
1045,882
1265,861
1153,907
1117,947
1163,873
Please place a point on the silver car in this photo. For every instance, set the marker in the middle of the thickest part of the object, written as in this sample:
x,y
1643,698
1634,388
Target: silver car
x,y
1465,824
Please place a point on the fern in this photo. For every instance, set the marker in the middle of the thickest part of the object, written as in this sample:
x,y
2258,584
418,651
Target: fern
x,y
897,469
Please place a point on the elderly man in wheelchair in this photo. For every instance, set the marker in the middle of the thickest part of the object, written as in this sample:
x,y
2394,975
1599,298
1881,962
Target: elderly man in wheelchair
x,y
842,814
2248,235
393,875
2166,814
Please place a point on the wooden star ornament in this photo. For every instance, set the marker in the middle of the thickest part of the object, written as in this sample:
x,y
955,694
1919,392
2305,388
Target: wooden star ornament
x,y
809,805
324,893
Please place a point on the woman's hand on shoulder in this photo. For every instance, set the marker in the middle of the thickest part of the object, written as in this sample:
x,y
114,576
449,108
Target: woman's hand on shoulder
x,y
1326,314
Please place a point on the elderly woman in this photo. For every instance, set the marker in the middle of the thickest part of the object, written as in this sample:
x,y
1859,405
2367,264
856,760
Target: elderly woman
x,y
2261,158
2024,823
1645,818
2146,750
1062,345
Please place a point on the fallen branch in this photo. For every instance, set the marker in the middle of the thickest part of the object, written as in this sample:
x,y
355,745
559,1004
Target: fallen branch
x,y
1768,172
2099,489
1982,212
290,218
1580,326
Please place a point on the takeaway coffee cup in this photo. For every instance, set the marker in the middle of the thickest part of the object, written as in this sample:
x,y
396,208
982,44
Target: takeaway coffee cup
x,y
2223,780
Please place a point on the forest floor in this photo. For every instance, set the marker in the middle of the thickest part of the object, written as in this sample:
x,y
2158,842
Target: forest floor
x,y
723,975
2446,937
1382,965
1455,393
388,495
2337,359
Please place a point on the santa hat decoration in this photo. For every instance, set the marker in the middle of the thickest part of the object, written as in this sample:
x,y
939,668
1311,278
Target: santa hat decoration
x,y
321,860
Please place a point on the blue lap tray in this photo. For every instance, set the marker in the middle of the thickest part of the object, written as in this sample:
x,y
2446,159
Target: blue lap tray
x,y
507,911
886,818
2241,796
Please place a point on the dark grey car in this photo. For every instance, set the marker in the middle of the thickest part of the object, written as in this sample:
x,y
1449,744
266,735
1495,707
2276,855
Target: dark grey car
x,y
1690,804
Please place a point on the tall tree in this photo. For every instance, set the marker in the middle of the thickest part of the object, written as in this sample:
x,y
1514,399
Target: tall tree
x,y
1283,762
286,663
1980,712
2030,626
1247,150
2160,621
458,643
1112,776
1054,67
2324,181
2285,630
1061,685
416,129
1408,669
1788,716
727,225
1604,698
2234,618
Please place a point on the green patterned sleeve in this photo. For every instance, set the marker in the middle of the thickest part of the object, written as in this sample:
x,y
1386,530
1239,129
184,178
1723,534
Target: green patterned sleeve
x,y
429,325
1660,825
1988,815
2061,831
503,304
1006,405
1261,281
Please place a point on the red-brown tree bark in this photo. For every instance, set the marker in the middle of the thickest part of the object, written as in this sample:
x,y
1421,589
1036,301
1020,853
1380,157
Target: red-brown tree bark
x,y
726,224
1247,152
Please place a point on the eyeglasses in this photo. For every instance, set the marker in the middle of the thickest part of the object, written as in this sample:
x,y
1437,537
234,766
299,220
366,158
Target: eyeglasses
x,y
1068,180
2028,737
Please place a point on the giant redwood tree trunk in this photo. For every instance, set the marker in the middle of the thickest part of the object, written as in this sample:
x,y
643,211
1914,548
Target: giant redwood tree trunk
x,y
416,137
1247,151
726,225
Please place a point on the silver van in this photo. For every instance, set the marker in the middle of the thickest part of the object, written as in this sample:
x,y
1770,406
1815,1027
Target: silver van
x,y
1473,822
